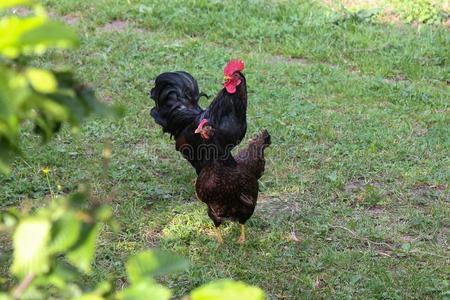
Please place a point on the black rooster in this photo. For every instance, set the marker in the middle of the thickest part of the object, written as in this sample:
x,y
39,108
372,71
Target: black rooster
x,y
176,96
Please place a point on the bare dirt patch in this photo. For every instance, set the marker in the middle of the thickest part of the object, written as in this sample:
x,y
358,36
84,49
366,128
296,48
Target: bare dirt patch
x,y
418,129
276,206
376,210
70,19
153,237
396,79
354,185
115,26
407,239
106,97
358,184
430,191
120,26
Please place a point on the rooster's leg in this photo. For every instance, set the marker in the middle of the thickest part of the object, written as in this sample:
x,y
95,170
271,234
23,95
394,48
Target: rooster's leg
x,y
241,239
218,235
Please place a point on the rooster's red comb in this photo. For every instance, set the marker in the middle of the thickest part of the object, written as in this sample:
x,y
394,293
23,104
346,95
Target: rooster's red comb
x,y
232,66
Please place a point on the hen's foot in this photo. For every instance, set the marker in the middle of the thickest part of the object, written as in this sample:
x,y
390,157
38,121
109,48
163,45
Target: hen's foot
x,y
218,235
241,239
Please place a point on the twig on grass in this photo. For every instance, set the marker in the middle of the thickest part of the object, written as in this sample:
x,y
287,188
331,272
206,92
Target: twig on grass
x,y
23,285
364,239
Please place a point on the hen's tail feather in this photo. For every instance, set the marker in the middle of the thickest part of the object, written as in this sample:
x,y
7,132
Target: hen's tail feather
x,y
265,138
252,158
176,97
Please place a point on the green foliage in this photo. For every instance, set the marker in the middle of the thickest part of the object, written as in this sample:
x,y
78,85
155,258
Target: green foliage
x,y
33,35
363,15
143,290
47,98
423,11
148,264
68,227
66,231
227,290
11,3
31,255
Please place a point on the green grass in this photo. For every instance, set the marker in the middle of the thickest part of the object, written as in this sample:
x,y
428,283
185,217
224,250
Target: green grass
x,y
355,199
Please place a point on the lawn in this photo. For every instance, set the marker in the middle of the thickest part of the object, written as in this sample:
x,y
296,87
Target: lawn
x,y
355,199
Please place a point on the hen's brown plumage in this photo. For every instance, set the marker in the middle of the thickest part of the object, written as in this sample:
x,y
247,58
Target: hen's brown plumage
x,y
231,190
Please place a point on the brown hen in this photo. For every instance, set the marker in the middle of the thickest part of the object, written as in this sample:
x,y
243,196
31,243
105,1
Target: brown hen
x,y
231,189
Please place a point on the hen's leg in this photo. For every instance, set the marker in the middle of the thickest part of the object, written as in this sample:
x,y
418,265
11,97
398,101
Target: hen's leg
x,y
241,239
217,223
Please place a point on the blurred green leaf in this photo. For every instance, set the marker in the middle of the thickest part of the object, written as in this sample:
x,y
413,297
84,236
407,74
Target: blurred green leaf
x,y
33,35
152,263
9,218
42,81
89,297
227,290
11,3
49,34
65,233
30,246
103,213
55,99
4,168
60,276
78,199
102,288
4,296
83,252
145,290
32,293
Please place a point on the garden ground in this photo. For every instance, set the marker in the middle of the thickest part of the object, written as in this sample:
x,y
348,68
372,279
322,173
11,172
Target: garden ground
x,y
354,201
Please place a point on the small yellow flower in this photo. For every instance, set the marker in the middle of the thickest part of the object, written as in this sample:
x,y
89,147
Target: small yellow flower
x,y
46,170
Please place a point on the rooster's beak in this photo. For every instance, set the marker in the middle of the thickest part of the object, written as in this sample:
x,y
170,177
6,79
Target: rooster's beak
x,y
226,77
198,130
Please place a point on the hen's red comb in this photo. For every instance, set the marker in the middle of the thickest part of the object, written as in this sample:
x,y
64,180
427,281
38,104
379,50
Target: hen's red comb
x,y
232,66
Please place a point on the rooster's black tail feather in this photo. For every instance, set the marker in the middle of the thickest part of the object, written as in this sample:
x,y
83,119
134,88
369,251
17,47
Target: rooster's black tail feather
x,y
176,96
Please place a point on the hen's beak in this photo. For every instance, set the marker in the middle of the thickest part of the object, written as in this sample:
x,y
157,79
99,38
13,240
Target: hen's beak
x,y
198,130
